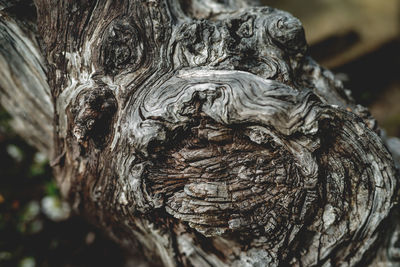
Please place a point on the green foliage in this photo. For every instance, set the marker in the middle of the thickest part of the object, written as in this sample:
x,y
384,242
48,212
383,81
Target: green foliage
x,y
29,236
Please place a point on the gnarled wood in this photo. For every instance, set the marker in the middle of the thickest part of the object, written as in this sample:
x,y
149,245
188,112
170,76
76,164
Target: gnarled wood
x,y
209,137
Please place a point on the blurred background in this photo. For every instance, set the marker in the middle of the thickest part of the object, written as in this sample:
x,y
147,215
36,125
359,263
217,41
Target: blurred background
x,y
357,39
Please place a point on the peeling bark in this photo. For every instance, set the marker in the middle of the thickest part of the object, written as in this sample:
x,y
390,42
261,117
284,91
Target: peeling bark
x,y
201,133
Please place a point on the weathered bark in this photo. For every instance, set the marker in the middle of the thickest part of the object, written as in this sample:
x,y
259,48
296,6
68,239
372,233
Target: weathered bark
x,y
203,136
24,90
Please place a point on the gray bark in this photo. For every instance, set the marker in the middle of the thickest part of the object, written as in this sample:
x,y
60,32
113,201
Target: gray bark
x,y
24,90
196,134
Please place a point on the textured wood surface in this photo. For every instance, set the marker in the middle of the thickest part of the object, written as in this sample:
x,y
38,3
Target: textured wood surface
x,y
211,138
24,90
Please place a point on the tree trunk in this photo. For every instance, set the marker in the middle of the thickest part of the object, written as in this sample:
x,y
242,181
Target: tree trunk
x,y
200,133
